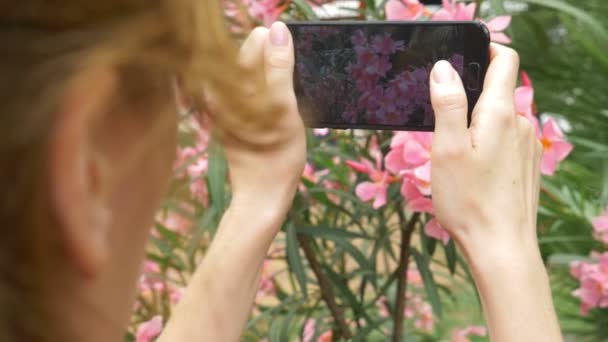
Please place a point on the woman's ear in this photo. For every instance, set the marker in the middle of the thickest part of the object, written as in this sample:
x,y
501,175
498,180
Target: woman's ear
x,y
78,174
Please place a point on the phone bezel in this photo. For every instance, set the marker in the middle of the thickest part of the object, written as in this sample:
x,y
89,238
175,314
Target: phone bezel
x,y
476,50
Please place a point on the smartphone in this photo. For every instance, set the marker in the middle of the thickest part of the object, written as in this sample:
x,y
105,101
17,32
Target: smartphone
x,y
375,75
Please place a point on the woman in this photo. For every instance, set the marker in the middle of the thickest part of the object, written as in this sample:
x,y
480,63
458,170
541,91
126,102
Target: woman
x,y
88,142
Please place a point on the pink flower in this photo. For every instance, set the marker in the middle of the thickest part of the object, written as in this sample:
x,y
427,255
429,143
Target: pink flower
x,y
600,226
497,26
382,306
435,230
414,278
416,201
403,9
410,156
555,147
524,102
426,320
149,330
593,277
326,336
320,132
385,45
376,189
462,335
380,179
267,286
453,10
309,330
267,11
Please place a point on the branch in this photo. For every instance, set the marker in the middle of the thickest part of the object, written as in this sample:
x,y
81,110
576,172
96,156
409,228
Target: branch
x,y
327,292
407,229
477,8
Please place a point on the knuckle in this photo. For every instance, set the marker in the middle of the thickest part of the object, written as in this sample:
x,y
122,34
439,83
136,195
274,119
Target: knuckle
x,y
512,56
450,100
527,130
279,60
259,31
448,153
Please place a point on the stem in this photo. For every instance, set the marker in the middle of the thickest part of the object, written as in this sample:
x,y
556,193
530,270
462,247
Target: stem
x,y
477,8
407,229
327,292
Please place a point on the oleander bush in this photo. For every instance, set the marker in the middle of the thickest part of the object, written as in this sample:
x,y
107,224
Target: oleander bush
x,y
360,256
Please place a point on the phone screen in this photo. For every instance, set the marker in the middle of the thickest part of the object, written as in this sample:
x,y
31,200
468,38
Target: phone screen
x,y
372,76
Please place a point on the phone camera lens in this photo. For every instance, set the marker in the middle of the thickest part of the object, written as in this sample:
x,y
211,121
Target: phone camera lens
x,y
473,76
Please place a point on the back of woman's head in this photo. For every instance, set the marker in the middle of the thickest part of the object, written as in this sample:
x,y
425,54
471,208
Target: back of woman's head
x,y
43,46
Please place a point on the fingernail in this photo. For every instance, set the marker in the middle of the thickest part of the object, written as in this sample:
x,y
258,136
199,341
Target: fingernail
x,y
443,72
278,34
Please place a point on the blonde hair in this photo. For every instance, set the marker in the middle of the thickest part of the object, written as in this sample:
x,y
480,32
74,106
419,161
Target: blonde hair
x,y
43,44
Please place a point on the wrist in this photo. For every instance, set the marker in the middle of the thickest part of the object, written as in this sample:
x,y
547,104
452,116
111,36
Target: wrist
x,y
261,209
493,254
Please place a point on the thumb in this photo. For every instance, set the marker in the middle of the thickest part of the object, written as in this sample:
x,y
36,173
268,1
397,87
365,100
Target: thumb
x,y
279,57
450,105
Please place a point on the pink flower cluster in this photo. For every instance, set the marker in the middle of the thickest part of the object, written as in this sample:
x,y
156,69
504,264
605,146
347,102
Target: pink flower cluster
x,y
593,278
149,330
555,147
416,307
267,286
309,333
192,162
151,282
262,11
462,335
362,85
600,226
451,10
385,100
409,161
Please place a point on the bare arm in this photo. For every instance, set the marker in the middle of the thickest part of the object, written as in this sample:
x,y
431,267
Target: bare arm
x,y
485,192
265,162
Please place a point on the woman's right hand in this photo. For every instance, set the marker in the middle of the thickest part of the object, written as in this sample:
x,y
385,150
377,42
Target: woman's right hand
x,y
485,183
485,178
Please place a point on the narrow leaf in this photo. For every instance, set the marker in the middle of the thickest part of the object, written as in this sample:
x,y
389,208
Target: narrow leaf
x,y
429,283
217,176
294,259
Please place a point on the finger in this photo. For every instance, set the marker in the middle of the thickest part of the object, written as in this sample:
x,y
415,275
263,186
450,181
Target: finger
x,y
501,77
449,101
495,109
279,58
251,55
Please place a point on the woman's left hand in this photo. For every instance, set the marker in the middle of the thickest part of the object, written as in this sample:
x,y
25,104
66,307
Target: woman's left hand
x,y
266,154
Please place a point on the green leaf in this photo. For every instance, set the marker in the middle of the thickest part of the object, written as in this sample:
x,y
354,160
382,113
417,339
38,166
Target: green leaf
x,y
428,243
565,259
450,254
361,259
429,283
276,329
328,233
294,259
346,293
305,8
203,224
168,235
581,15
217,176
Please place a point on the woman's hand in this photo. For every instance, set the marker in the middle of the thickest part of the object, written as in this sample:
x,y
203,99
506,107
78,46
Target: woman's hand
x,y
485,192
266,156
485,178
266,153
